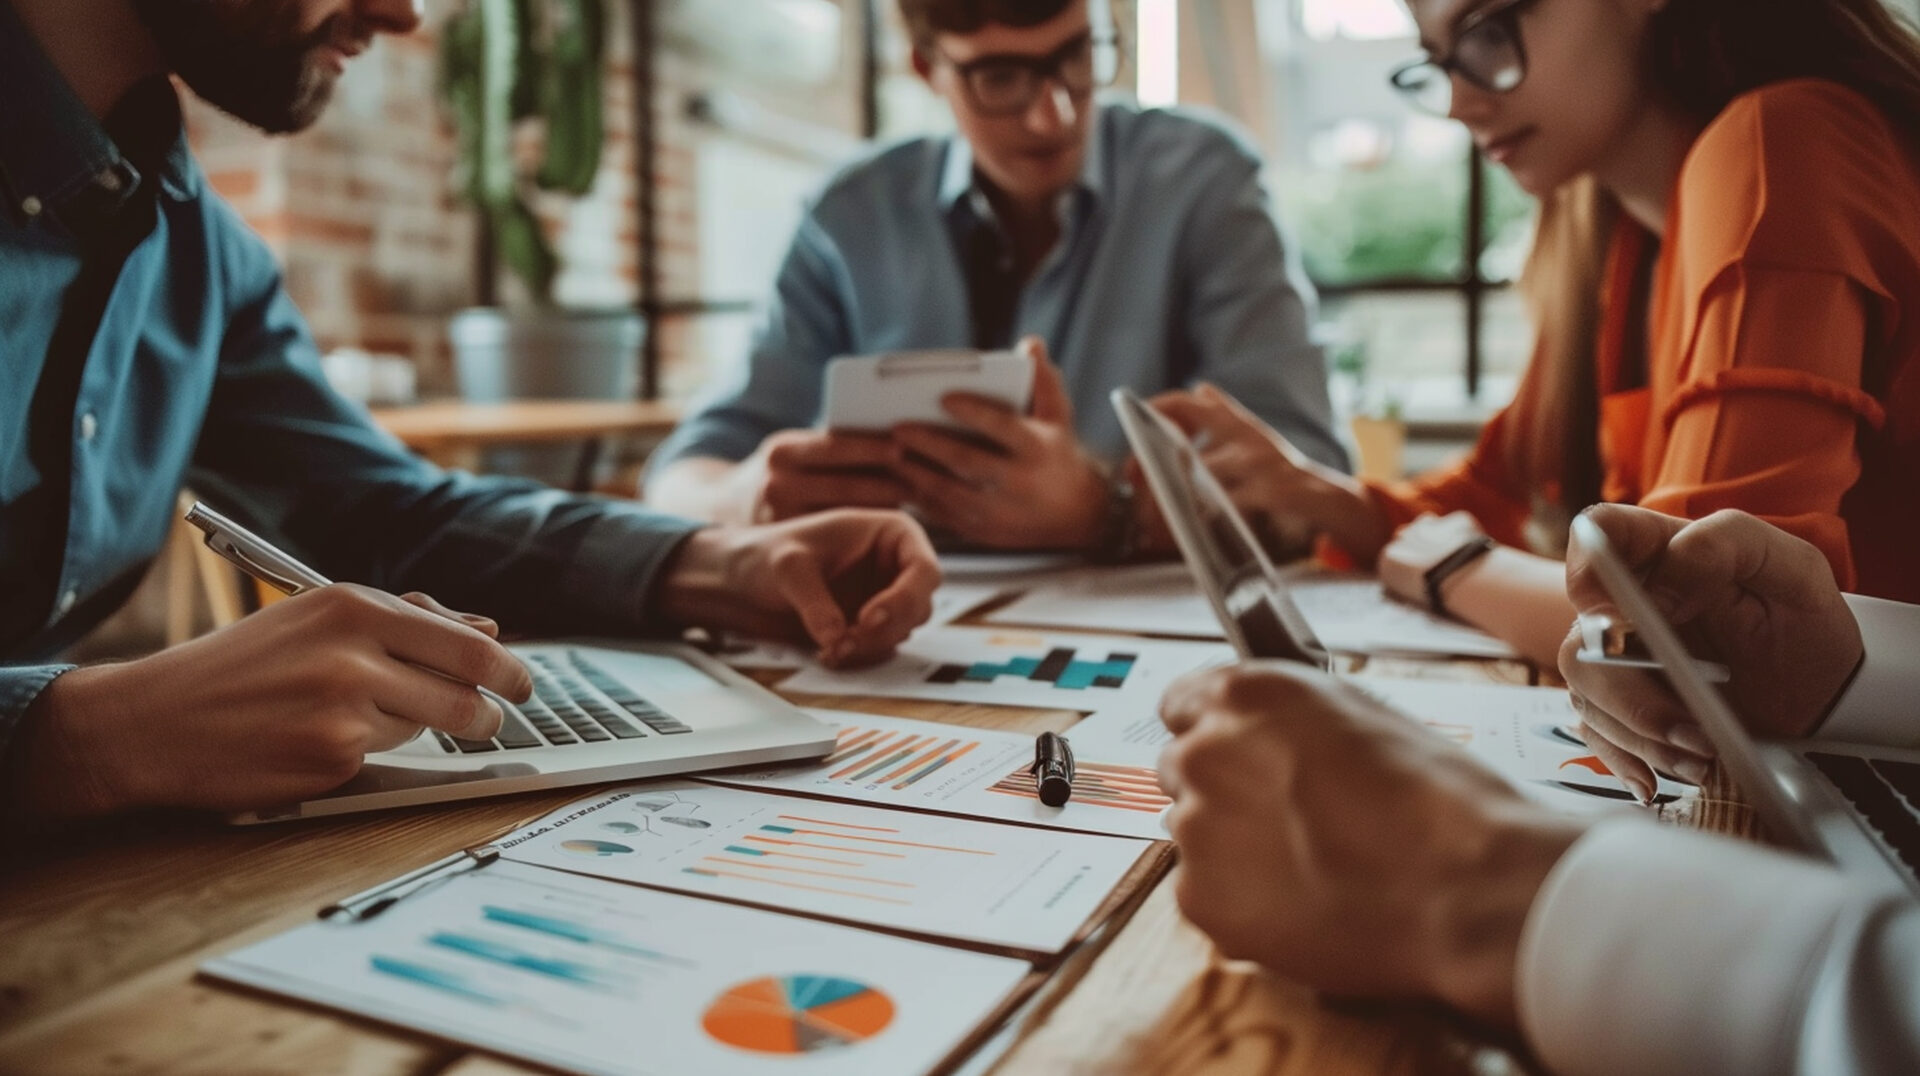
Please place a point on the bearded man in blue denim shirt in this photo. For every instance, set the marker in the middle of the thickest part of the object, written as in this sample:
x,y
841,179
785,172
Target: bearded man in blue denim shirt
x,y
1136,247
144,330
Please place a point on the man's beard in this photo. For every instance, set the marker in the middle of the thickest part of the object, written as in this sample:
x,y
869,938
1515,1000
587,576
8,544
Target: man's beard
x,y
248,57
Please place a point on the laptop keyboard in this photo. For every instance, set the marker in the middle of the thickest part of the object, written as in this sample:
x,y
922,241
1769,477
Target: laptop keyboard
x,y
563,711
1886,792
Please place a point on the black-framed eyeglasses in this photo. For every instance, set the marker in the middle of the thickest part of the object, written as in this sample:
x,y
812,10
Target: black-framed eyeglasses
x,y
1488,51
1008,84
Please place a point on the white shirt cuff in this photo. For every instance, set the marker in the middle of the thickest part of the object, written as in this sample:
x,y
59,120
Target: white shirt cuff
x,y
1881,706
1652,949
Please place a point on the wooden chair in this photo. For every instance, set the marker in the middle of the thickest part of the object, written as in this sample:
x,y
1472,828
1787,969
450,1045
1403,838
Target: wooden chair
x,y
192,567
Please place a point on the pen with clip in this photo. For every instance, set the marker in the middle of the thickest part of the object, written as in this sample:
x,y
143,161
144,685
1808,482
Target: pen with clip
x,y
1053,769
255,555
371,902
266,562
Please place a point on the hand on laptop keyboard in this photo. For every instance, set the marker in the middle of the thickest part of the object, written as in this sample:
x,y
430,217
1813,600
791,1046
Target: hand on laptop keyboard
x,y
274,708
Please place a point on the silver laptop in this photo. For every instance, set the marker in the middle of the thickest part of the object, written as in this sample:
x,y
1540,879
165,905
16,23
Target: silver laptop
x,y
1228,563
1851,804
601,710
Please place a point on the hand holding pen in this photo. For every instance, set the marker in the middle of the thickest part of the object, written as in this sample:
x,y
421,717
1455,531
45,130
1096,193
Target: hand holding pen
x,y
273,708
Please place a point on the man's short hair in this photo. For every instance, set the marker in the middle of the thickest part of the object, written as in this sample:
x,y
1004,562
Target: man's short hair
x,y
925,18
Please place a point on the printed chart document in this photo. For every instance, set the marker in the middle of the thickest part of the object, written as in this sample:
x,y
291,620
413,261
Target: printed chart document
x,y
1348,611
960,878
956,598
1525,733
1528,734
951,601
1158,599
1011,667
1125,738
979,773
597,977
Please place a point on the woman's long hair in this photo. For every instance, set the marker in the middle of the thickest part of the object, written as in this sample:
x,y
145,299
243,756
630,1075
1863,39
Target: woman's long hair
x,y
1704,53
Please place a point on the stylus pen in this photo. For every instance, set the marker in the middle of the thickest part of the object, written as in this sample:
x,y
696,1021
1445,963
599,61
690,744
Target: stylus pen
x,y
255,555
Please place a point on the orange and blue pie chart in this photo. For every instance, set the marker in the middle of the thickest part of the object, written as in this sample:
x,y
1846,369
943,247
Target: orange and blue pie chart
x,y
595,848
797,1014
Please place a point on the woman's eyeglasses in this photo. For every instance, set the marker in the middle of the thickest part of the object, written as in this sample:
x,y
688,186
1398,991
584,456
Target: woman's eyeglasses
x,y
1008,85
1487,51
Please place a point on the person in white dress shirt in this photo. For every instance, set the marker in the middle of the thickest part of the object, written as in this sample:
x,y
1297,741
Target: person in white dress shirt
x,y
1353,850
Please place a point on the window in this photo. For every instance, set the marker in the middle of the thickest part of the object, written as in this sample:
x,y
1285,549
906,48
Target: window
x,y
1386,204
1359,20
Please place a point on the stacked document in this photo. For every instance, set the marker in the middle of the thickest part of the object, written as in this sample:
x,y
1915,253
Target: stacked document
x,y
975,773
1349,612
1526,734
684,927
596,977
1010,887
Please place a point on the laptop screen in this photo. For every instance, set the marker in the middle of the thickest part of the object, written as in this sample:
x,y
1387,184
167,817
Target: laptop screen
x,y
1227,561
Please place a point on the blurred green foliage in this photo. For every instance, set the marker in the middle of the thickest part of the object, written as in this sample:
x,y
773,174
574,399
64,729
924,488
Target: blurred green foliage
x,y
1399,221
507,61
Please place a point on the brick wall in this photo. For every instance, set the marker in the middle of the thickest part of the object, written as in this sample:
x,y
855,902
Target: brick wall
x,y
377,252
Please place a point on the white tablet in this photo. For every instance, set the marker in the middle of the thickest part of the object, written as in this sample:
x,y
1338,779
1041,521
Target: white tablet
x,y
876,392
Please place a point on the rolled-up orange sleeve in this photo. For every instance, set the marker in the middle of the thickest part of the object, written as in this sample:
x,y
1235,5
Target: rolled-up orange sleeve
x,y
1478,483
1766,416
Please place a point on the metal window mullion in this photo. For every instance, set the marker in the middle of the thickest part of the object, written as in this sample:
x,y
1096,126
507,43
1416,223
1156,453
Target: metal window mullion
x,y
1473,283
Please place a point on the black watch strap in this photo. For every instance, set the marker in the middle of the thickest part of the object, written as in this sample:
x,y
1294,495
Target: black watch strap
x,y
1119,531
1437,575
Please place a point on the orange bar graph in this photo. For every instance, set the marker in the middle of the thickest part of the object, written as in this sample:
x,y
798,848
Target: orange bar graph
x,y
828,847
805,870
918,761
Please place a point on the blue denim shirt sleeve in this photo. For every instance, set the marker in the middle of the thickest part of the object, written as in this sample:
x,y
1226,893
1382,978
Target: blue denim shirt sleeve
x,y
312,468
1250,307
19,686
778,386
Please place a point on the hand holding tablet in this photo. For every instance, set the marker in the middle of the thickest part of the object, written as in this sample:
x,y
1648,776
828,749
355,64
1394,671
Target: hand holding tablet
x,y
874,393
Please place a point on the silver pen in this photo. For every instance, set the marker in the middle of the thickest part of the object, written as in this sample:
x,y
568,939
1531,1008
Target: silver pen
x,y
368,903
255,555
271,565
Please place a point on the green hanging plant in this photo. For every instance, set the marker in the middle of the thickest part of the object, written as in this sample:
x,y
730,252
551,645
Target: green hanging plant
x,y
504,62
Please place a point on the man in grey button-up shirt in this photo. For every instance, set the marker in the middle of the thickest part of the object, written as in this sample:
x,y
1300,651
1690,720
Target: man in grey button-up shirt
x,y
1138,245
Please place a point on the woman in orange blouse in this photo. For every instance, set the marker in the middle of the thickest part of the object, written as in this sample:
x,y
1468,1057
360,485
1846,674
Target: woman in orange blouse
x,y
1726,285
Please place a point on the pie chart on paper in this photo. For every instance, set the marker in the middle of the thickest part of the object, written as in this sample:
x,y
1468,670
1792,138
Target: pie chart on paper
x,y
797,1014
595,848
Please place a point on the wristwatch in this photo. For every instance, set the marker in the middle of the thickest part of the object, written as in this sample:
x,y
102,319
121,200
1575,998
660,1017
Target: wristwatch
x,y
1119,532
1475,548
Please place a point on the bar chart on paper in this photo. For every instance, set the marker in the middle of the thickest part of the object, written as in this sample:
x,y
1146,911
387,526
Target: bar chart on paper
x,y
979,773
1061,666
1010,667
950,877
897,760
797,851
573,972
1120,788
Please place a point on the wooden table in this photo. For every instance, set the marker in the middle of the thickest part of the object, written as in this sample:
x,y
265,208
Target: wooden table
x,y
100,936
451,433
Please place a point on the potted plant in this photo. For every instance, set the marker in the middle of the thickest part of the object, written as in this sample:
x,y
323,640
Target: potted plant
x,y
1376,418
506,65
